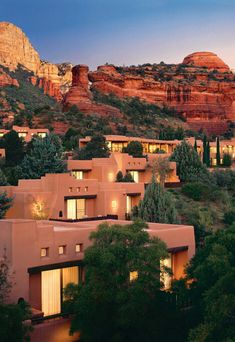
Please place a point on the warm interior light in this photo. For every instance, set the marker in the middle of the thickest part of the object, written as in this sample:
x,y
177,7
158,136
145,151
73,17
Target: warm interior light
x,y
114,204
39,210
133,275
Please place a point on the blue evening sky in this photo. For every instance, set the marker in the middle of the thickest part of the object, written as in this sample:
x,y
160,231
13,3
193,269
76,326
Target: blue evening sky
x,y
126,32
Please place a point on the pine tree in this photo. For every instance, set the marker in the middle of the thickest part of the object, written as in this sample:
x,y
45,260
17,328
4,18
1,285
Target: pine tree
x,y
14,147
208,158
204,156
189,165
3,179
157,205
218,151
195,145
44,156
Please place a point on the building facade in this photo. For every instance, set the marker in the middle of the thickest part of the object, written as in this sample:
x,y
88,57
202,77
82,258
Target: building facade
x,y
26,133
44,256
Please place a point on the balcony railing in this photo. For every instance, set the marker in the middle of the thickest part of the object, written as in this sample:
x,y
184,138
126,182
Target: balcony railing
x,y
85,219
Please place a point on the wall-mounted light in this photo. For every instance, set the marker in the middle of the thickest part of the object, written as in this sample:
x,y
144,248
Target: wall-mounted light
x,y
114,204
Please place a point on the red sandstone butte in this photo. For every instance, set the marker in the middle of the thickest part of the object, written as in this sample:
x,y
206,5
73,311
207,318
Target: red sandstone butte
x,y
80,95
202,89
208,60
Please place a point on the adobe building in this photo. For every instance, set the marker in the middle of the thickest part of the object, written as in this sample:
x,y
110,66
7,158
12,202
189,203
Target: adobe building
x,y
106,169
26,133
87,190
117,142
44,256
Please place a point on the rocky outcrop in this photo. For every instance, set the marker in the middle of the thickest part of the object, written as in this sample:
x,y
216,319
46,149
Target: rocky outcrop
x,y
16,50
80,95
6,80
208,60
199,93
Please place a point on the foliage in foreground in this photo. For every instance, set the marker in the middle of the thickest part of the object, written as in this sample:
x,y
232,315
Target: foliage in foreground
x,y
120,309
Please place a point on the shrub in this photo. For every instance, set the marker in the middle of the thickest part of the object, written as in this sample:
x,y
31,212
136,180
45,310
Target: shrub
x,y
196,190
229,217
227,160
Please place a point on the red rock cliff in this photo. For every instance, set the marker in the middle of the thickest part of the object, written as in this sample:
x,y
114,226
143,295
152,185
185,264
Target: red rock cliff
x,y
80,95
202,88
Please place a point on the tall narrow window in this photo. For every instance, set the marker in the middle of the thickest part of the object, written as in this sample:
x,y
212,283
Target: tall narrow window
x,y
51,291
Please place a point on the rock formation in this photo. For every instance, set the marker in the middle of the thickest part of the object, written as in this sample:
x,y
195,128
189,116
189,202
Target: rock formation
x,y
6,80
208,60
16,50
80,95
204,94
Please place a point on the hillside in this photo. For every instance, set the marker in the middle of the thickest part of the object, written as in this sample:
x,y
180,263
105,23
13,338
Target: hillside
x,y
198,94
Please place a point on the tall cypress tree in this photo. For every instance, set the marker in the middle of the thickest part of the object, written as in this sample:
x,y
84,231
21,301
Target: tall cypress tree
x,y
217,151
208,157
204,156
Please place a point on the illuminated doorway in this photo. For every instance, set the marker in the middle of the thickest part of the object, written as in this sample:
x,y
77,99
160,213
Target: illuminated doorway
x,y
52,284
76,208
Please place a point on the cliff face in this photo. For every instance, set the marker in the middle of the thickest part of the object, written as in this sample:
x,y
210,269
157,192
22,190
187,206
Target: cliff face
x,y
16,50
80,95
202,88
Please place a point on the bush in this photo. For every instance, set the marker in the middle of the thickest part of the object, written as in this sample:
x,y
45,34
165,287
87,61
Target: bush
x,y
227,160
229,217
196,190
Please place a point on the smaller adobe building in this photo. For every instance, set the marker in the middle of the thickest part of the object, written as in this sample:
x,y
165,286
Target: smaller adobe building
x,y
87,190
44,256
117,142
26,133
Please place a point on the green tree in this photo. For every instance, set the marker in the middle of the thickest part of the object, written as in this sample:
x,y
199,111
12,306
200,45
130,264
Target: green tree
x,y
3,179
189,165
122,294
45,156
204,155
208,158
213,288
227,160
5,204
134,148
218,151
13,315
96,148
157,205
14,147
195,145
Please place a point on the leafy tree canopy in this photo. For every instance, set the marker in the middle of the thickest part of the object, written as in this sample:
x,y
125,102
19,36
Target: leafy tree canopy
x,y
134,148
44,156
96,148
189,165
123,306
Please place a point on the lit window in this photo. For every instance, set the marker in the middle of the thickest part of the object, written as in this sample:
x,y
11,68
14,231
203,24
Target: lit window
x,y
77,174
62,250
42,134
135,176
79,247
133,275
44,252
22,135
